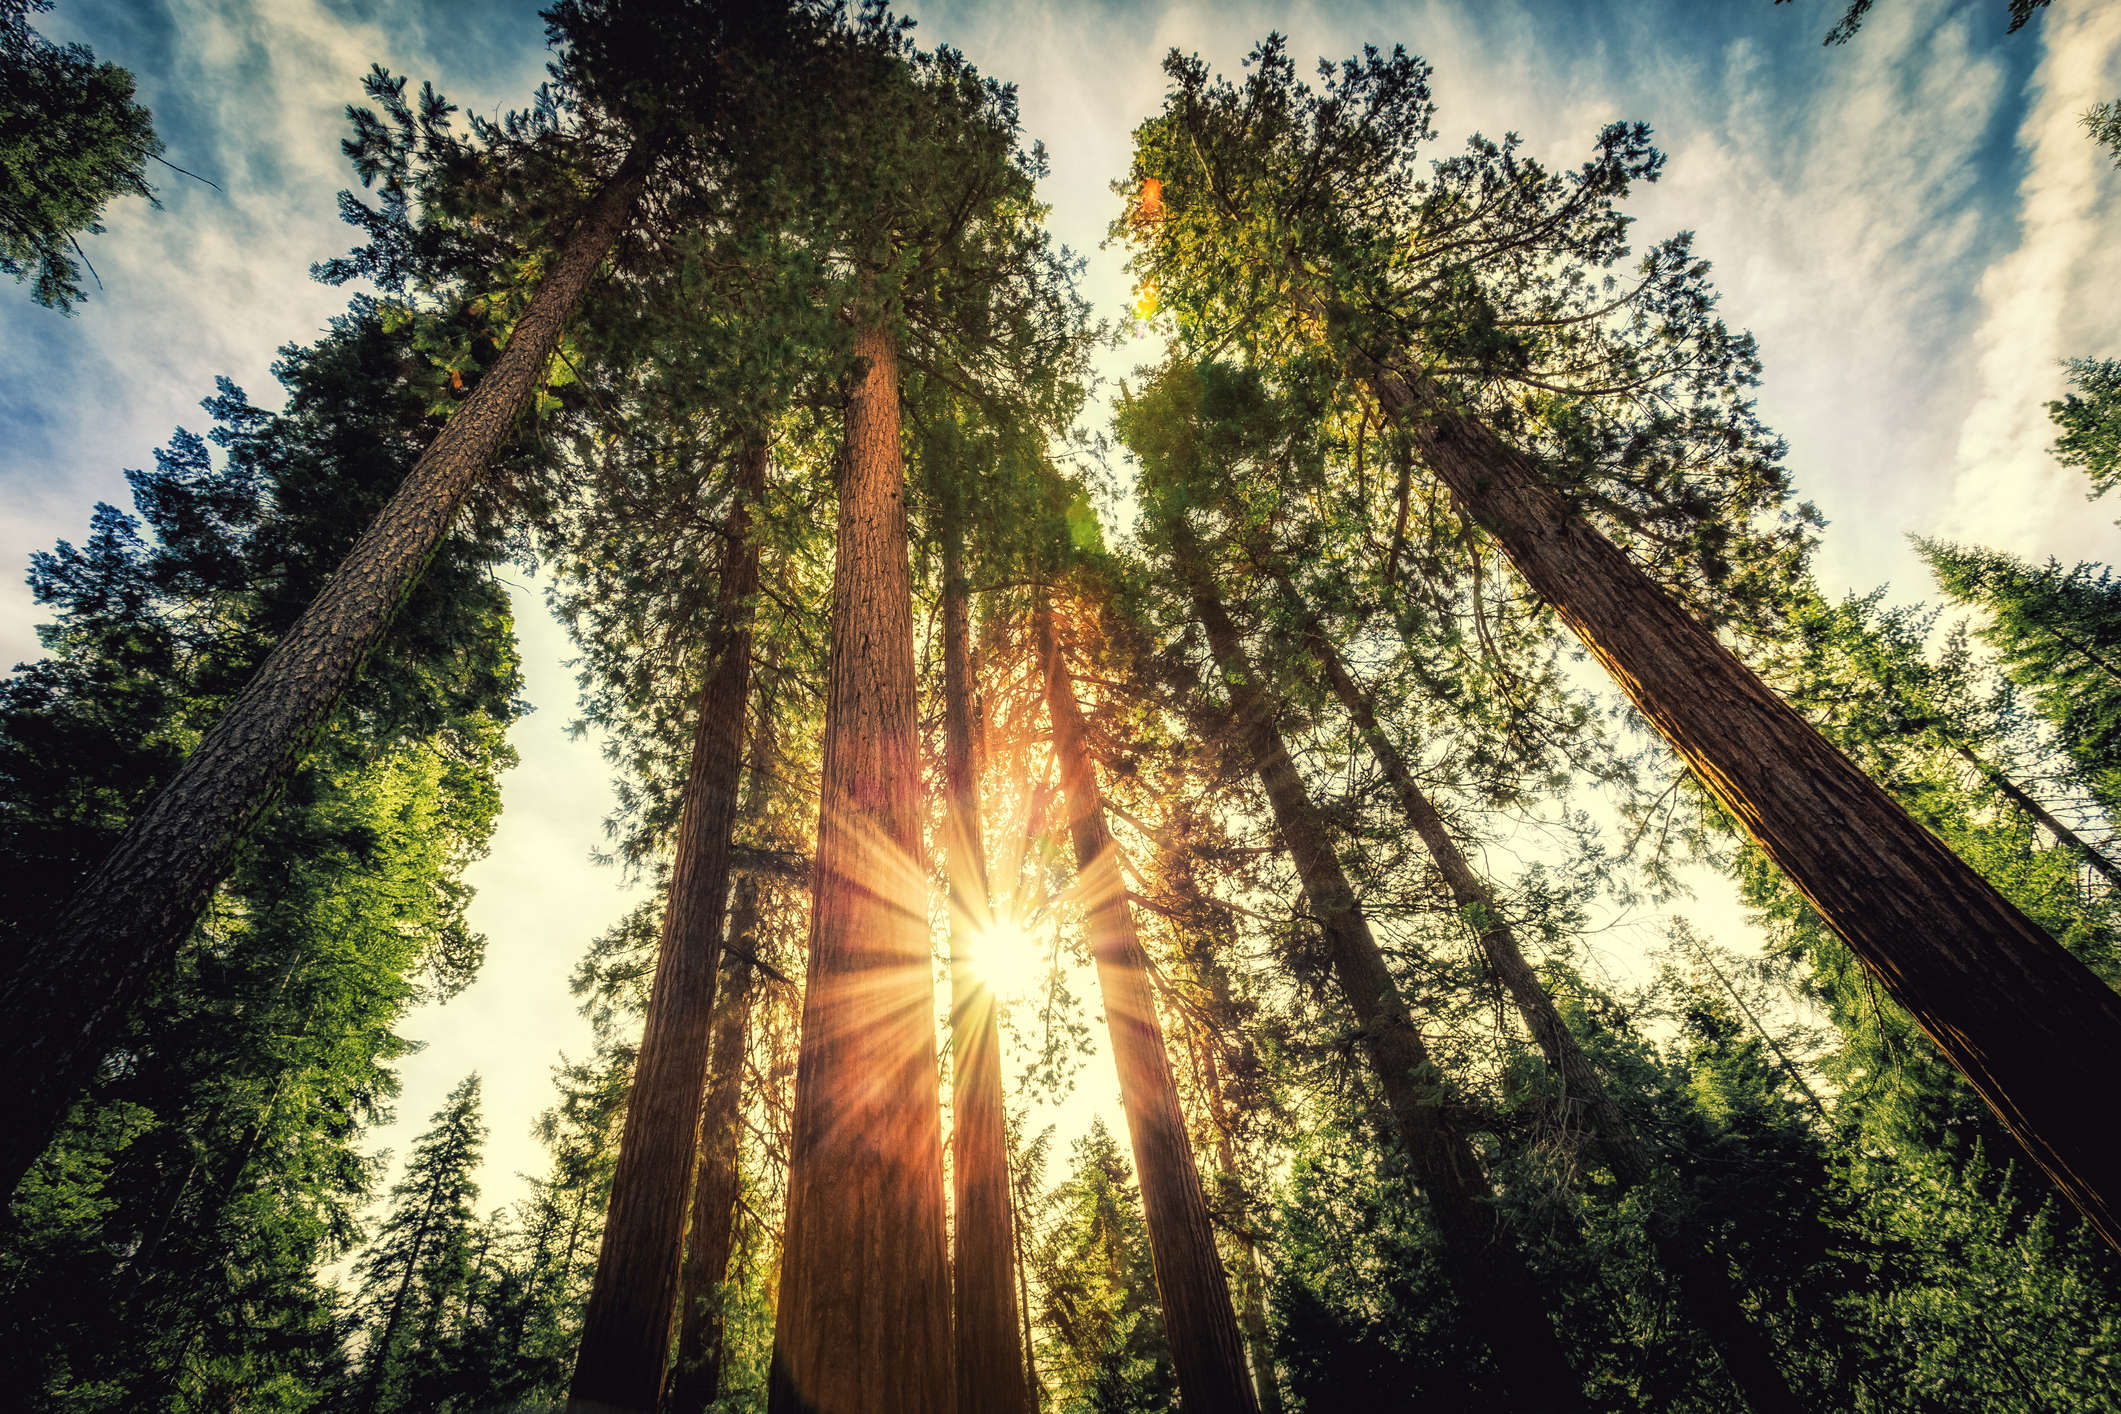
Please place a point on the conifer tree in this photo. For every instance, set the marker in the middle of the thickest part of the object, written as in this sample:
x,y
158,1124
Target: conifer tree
x,y
1207,1351
949,271
1108,1348
695,1377
127,919
990,1364
2057,634
625,1340
1573,429
416,1268
162,1244
74,140
2090,418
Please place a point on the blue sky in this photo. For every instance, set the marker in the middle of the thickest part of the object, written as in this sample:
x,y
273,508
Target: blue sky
x,y
1913,224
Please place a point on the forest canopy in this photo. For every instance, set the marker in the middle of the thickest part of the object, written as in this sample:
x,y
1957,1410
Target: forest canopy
x,y
1281,682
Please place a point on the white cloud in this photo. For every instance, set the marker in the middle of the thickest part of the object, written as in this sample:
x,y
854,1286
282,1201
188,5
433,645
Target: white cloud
x,y
2057,295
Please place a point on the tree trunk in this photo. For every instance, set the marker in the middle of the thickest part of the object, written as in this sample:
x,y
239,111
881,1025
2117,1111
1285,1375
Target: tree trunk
x,y
2031,1027
990,1367
1206,1349
626,1329
66,1001
1252,1303
1478,1246
2024,800
864,1316
1716,1308
697,1378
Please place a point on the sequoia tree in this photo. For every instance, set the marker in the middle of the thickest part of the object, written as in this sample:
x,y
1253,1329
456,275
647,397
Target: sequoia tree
x,y
626,1333
990,1362
922,194
1199,1322
1560,416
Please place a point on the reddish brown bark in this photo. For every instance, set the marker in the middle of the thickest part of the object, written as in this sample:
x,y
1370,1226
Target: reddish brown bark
x,y
626,1329
864,1316
696,1377
1479,1249
1252,1304
1206,1350
990,1367
66,1000
1715,1306
2031,1028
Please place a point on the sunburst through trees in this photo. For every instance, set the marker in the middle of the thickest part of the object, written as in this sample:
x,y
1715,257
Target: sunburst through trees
x,y
1253,738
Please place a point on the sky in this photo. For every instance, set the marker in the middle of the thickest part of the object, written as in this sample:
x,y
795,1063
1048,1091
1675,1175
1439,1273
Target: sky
x,y
1914,226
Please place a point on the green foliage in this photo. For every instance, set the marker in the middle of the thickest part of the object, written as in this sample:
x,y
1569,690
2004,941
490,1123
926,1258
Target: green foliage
x,y
1932,725
2090,419
2057,634
71,140
415,1273
1094,1290
2103,122
162,1250
1297,225
1364,1313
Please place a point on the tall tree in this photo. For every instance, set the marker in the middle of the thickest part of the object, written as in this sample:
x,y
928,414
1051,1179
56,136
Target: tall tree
x,y
1745,1352
1481,1252
990,1362
126,921
418,1264
865,1287
1206,1349
923,193
695,1378
626,1333
159,1245
1438,337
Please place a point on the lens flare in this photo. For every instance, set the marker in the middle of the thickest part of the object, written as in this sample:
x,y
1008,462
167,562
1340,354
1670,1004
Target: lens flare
x,y
1007,959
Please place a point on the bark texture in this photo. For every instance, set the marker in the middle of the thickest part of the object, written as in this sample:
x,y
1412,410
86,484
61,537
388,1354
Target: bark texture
x,y
1251,1287
864,1316
626,1329
1715,1305
696,1378
2031,1027
1478,1246
990,1366
1206,1350
65,1002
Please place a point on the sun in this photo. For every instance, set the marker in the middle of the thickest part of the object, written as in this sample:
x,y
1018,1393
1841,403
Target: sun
x,y
1008,959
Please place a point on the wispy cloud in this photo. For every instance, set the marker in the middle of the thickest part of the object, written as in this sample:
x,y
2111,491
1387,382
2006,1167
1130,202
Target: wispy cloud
x,y
2058,294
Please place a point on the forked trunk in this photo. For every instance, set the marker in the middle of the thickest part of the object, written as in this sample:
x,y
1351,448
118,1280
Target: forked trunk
x,y
65,1000
1713,1303
1478,1246
696,1378
2033,1029
990,1367
626,1329
1206,1349
864,1316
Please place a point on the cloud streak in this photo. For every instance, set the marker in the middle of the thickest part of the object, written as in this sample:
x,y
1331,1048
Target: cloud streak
x,y
2058,294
